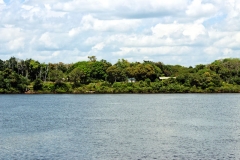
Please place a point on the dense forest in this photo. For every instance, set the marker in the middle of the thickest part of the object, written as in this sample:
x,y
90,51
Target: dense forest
x,y
93,76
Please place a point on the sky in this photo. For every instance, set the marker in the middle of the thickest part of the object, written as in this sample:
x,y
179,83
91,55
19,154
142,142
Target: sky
x,y
184,32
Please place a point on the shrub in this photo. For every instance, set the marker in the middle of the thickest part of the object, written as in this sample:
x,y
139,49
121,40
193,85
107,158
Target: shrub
x,y
38,84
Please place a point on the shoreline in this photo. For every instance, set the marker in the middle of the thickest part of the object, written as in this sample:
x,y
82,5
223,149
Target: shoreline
x,y
35,93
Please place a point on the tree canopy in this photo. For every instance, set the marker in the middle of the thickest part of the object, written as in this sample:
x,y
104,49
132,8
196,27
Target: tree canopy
x,y
100,76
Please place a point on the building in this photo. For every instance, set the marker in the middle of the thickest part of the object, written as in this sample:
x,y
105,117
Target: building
x,y
131,80
162,78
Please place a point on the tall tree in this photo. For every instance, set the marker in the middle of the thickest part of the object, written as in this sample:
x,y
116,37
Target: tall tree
x,y
77,76
1,65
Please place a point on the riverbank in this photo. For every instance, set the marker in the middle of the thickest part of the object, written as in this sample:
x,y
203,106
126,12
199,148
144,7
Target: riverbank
x,y
121,88
92,77
144,87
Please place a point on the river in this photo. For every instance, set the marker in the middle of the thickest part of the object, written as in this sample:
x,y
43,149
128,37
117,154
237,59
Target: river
x,y
120,126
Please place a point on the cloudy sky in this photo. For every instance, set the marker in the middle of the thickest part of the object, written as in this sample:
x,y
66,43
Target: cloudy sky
x,y
185,32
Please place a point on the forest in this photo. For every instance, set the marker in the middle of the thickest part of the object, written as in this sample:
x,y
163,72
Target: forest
x,y
99,76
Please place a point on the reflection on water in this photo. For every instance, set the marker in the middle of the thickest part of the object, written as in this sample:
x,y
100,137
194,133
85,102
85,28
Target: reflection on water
x,y
128,126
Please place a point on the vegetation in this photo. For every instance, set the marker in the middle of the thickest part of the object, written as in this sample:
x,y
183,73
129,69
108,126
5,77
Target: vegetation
x,y
93,76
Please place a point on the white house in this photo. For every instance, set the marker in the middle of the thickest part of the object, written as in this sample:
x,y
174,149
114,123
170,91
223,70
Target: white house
x,y
131,80
162,78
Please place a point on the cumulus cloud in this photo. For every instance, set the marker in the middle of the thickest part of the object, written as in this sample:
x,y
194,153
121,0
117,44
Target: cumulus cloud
x,y
123,8
179,30
89,23
199,9
98,46
46,41
185,32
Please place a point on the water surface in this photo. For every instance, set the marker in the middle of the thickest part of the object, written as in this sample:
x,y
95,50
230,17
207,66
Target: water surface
x,y
120,126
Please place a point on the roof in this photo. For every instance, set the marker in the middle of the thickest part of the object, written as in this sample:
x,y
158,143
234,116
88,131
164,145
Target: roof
x,y
166,77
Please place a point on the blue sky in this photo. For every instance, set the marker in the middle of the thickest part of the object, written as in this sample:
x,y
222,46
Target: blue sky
x,y
185,32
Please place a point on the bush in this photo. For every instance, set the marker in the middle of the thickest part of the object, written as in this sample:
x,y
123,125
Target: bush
x,y
48,87
38,84
61,87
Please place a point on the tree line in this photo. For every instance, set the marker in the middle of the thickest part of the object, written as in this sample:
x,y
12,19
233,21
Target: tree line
x,y
100,76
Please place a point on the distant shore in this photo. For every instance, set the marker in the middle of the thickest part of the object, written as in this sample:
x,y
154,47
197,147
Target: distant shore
x,y
101,77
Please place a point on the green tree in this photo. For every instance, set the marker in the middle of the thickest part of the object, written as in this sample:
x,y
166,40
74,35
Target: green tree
x,y
77,76
1,65
92,58
98,70
38,84
142,71
115,74
12,82
56,75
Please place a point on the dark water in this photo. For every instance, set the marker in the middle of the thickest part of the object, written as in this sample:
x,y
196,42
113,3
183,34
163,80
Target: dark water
x,y
154,126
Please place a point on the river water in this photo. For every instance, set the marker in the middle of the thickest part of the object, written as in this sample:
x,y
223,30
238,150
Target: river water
x,y
120,126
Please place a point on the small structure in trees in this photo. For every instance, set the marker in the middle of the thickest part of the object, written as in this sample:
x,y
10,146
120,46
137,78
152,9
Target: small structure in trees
x,y
162,78
131,80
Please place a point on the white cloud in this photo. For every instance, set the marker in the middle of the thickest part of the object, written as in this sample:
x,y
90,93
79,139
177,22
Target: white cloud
x,y
98,46
165,50
16,44
1,2
229,40
47,6
193,31
89,23
227,52
121,25
46,40
212,50
167,30
198,9
9,33
27,7
183,31
179,30
74,31
123,7
237,38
